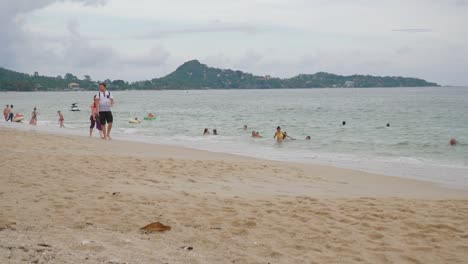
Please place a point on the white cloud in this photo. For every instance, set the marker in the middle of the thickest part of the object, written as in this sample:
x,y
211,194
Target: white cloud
x,y
149,38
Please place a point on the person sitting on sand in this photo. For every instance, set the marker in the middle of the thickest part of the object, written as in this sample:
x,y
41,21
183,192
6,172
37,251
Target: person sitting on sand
x,y
206,132
286,136
279,135
61,119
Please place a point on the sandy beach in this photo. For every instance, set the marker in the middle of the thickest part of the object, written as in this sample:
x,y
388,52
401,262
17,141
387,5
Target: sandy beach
x,y
66,199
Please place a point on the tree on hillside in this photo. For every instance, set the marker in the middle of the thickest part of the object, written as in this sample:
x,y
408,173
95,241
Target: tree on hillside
x,y
87,78
70,77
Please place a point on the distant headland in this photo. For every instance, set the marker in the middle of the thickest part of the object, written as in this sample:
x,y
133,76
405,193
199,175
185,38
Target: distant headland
x,y
195,75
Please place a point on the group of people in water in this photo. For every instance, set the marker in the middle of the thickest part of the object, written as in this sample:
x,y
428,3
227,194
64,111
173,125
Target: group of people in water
x,y
18,117
280,135
10,116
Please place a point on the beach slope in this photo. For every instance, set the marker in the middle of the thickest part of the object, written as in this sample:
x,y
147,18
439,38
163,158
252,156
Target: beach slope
x,y
67,199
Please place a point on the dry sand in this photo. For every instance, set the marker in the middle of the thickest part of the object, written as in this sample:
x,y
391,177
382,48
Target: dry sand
x,y
79,200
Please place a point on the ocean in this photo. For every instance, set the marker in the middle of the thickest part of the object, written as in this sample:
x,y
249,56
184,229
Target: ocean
x,y
415,145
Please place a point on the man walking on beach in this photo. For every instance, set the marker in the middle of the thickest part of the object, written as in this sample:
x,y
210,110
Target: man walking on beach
x,y
104,102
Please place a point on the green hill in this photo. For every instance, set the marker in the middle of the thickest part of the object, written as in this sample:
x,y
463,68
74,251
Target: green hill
x,y
194,75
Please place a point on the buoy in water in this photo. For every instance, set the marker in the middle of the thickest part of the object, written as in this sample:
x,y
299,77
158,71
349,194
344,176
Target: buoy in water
x,y
453,142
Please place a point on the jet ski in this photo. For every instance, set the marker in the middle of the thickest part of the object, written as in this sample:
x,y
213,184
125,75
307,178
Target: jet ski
x,y
74,107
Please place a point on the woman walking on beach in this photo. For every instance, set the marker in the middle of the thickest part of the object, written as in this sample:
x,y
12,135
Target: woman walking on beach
x,y
94,119
33,117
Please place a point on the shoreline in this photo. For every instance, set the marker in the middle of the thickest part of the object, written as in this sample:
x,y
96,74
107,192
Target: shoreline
x,y
136,149
72,199
456,181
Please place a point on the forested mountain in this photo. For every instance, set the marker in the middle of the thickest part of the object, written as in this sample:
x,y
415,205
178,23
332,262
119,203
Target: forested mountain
x,y
194,75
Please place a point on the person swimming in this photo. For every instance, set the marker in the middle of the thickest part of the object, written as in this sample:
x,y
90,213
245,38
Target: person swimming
x,y
245,127
215,132
279,135
307,138
286,136
206,131
256,134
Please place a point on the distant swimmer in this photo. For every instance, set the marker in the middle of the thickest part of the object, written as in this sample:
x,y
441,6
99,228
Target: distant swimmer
x,y
453,142
206,131
343,123
215,132
256,134
245,127
388,124
61,119
307,138
279,135
286,136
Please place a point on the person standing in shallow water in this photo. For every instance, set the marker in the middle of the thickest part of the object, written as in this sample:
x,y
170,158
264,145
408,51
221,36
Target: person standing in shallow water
x,y
105,101
6,112
279,135
61,119
10,114
33,120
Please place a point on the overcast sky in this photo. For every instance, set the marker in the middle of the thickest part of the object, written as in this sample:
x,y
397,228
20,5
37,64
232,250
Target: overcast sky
x,y
144,39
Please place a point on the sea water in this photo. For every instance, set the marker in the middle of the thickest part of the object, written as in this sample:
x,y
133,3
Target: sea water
x,y
415,145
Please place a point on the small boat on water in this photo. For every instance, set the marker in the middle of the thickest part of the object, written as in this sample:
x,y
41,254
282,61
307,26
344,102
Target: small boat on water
x,y
74,107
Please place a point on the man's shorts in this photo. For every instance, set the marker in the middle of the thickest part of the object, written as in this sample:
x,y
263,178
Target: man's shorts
x,y
105,117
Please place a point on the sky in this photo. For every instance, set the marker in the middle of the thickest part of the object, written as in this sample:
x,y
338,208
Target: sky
x,y
146,39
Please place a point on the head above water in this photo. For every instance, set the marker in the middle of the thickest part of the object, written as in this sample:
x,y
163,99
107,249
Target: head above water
x,y
308,138
343,123
245,127
11,106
